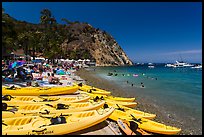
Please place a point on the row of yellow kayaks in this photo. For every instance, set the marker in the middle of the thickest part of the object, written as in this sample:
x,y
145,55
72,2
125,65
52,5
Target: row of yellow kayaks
x,y
51,115
33,115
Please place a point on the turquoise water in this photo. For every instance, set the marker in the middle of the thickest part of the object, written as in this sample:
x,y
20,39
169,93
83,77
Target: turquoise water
x,y
177,91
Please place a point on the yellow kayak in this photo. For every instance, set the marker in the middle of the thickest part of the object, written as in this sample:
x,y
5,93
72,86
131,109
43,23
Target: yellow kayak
x,y
145,124
127,104
112,102
49,108
93,90
36,91
109,97
136,113
17,100
121,99
54,124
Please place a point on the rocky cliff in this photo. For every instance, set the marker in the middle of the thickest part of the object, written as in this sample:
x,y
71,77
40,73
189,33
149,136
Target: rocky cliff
x,y
96,44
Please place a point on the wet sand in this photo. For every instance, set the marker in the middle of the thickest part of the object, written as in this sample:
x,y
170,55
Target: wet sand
x,y
143,104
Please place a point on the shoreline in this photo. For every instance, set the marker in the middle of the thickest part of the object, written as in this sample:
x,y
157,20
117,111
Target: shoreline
x,y
143,104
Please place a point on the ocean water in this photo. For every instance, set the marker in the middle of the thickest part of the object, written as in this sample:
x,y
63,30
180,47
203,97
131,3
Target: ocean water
x,y
177,91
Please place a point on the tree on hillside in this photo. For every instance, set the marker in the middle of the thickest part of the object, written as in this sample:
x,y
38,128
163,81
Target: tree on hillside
x,y
8,34
35,42
51,38
46,17
24,40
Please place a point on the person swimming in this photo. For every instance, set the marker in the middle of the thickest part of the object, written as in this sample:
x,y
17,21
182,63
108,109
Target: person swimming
x,y
142,85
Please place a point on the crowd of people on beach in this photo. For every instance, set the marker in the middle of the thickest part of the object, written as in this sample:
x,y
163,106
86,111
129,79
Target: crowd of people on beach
x,y
27,72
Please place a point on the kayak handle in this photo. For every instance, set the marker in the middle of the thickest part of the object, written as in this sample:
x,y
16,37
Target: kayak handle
x,y
39,130
45,88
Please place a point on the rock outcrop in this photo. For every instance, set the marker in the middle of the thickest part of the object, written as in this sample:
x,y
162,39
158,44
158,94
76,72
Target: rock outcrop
x,y
95,44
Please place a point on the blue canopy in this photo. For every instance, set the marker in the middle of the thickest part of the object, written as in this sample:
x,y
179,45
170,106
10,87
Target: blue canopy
x,y
37,61
16,64
60,72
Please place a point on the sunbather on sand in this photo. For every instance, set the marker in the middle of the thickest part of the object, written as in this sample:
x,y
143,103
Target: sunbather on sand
x,y
53,80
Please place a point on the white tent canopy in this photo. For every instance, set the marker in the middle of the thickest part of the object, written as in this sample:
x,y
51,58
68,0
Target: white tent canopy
x,y
80,60
69,61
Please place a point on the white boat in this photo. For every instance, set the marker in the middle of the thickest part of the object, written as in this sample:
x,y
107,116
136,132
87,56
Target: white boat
x,y
150,65
188,65
197,67
169,65
179,64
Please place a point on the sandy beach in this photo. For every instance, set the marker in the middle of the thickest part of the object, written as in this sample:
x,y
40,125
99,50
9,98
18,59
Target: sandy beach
x,y
143,105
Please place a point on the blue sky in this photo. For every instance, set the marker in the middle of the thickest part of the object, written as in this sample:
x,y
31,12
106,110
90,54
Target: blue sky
x,y
147,31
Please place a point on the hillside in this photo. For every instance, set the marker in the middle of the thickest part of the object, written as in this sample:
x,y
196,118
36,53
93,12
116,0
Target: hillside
x,y
75,40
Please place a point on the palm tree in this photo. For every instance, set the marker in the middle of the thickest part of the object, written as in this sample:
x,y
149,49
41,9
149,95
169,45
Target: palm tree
x,y
45,17
24,40
51,38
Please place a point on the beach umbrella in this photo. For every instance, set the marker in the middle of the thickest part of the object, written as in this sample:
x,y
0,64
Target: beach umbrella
x,y
13,65
60,72
37,61
20,63
16,64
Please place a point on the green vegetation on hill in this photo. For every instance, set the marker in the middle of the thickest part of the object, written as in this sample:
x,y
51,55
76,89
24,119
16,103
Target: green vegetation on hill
x,y
73,40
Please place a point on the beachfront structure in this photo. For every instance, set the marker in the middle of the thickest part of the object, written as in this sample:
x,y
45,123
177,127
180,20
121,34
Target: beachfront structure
x,y
80,63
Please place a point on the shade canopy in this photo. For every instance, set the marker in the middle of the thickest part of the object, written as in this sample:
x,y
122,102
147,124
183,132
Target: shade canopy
x,y
17,64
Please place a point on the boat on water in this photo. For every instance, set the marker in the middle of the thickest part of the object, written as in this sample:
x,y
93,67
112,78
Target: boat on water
x,y
169,65
150,65
197,67
180,64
